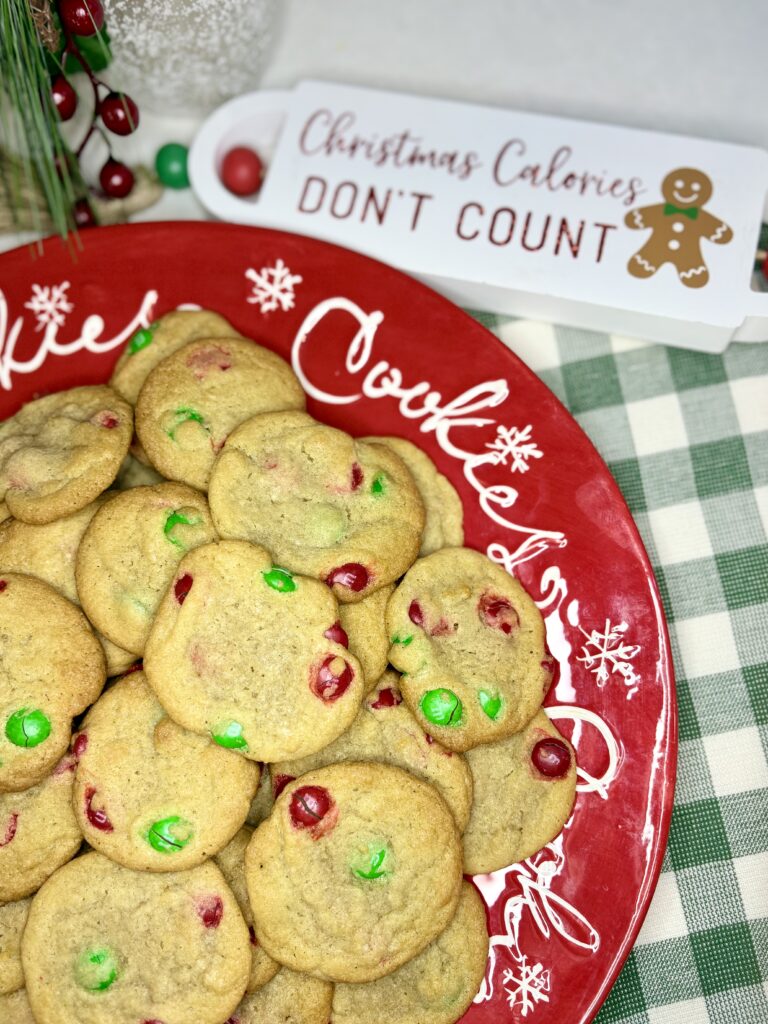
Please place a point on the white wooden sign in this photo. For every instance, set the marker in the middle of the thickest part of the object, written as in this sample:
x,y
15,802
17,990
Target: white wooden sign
x,y
610,228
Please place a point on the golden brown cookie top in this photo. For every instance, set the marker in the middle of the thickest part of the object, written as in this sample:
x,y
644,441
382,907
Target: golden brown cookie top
x,y
289,998
244,651
524,787
357,869
13,917
325,505
470,644
60,452
107,945
151,795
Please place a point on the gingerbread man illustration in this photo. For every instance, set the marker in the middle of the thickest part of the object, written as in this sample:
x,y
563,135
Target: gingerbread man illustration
x,y
677,227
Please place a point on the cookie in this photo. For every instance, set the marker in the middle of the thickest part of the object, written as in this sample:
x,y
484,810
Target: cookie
x,y
386,732
60,452
49,551
13,917
444,525
324,504
38,833
366,631
437,987
151,795
525,787
15,1008
52,669
231,860
470,644
290,998
135,473
245,652
129,554
150,345
357,869
105,945
196,396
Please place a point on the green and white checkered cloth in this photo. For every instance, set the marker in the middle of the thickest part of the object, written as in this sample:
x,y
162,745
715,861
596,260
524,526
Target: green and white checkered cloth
x,y
686,437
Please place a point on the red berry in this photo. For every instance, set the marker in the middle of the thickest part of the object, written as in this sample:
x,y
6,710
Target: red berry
x,y
210,910
119,113
182,587
351,575
552,758
116,179
337,634
242,171
99,819
309,805
416,613
332,679
83,17
498,613
83,214
64,97
387,698
280,782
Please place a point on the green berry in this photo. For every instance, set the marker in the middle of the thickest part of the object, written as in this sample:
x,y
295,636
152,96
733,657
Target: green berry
x,y
169,834
96,969
28,728
441,707
379,485
279,580
403,641
490,703
372,866
171,165
176,518
140,340
230,735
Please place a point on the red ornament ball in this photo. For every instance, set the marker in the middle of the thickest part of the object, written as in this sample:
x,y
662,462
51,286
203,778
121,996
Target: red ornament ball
x,y
119,113
83,215
116,179
64,97
242,171
83,17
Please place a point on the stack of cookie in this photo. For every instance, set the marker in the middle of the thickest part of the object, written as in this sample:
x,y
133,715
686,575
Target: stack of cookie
x,y
336,715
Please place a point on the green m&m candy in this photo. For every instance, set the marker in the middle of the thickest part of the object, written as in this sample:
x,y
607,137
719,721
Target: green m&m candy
x,y
371,866
171,165
279,580
402,641
490,703
96,969
230,735
140,340
169,834
184,415
28,727
441,707
176,518
379,485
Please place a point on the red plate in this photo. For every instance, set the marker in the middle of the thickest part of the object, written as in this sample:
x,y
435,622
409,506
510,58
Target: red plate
x,y
381,354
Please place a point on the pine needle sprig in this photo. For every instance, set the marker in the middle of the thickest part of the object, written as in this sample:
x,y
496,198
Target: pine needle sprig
x,y
29,123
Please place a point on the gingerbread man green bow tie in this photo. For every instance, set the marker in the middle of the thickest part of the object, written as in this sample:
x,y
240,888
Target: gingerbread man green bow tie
x,y
691,212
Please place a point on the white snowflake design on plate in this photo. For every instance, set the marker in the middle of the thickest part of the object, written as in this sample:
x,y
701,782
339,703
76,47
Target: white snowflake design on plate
x,y
605,654
50,304
528,987
273,287
514,445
